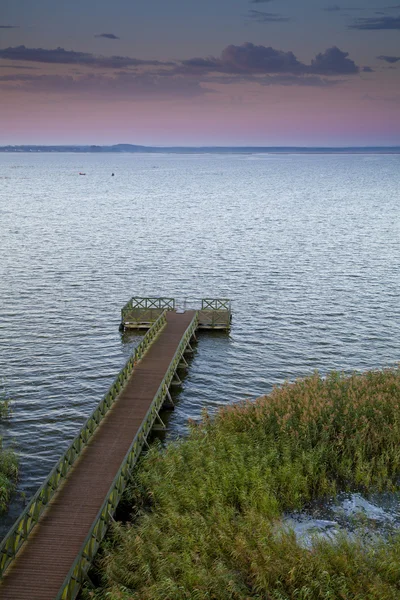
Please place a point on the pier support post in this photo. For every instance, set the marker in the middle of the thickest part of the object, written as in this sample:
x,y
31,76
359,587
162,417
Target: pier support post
x,y
183,364
158,424
176,380
168,402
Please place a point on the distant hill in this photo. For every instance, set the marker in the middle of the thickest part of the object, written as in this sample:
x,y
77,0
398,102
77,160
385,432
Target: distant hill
x,y
131,148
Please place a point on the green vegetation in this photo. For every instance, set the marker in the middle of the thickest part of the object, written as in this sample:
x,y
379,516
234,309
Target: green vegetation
x,y
8,461
207,508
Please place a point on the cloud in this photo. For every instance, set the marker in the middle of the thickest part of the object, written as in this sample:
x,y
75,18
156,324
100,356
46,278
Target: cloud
x,y
22,77
9,26
129,86
391,99
337,8
251,59
259,59
259,1
123,84
264,17
389,59
378,9
247,58
376,23
259,64
109,36
70,57
302,80
367,70
13,67
333,62
267,80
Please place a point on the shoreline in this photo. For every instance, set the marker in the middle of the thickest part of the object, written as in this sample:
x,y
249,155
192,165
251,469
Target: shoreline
x,y
239,150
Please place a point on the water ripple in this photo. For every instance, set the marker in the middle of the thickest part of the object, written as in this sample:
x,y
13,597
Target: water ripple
x,y
305,246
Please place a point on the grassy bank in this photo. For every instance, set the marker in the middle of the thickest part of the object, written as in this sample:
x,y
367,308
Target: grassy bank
x,y
206,522
8,462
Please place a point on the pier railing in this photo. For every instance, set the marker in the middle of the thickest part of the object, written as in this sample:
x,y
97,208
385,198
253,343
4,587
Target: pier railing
x,y
215,304
20,531
79,569
142,312
215,313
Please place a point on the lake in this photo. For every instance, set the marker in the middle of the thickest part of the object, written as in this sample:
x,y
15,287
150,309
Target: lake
x,y
306,246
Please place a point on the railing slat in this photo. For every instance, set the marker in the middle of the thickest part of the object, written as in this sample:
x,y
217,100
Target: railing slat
x,y
14,539
92,542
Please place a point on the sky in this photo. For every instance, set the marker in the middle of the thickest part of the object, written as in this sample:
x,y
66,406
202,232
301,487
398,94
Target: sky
x,y
215,72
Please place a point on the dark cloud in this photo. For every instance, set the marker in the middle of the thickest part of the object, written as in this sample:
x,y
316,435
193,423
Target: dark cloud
x,y
259,59
264,17
249,58
243,59
333,62
109,36
197,65
389,59
9,26
259,1
248,62
376,23
70,57
367,70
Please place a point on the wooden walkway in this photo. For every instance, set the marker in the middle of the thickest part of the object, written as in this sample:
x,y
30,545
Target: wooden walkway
x,y
43,563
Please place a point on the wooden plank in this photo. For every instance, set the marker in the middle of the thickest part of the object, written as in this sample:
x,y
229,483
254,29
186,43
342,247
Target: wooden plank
x,y
40,568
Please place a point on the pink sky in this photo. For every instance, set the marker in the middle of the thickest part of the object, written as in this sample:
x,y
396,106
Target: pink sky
x,y
242,76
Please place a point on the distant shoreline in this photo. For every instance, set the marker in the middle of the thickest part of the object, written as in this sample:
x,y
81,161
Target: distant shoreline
x,y
130,148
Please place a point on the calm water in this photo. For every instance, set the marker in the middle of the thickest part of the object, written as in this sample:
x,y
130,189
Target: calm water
x,y
307,247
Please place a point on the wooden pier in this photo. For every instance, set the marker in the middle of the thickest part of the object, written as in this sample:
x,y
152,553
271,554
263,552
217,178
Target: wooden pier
x,y
141,313
48,552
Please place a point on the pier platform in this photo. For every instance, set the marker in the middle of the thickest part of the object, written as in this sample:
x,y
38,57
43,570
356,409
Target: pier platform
x,y
141,313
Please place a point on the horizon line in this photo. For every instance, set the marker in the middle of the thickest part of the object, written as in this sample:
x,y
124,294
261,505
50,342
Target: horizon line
x,y
190,147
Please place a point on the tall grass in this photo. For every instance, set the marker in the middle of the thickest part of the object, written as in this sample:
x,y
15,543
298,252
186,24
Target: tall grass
x,y
8,460
207,508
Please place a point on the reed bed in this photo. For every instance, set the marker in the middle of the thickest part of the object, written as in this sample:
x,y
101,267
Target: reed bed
x,y
207,509
8,461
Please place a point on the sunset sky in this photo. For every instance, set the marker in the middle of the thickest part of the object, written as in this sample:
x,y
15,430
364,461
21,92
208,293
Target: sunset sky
x,y
215,72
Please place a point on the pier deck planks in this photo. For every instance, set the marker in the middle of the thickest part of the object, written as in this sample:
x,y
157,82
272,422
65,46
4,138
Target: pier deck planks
x,y
40,568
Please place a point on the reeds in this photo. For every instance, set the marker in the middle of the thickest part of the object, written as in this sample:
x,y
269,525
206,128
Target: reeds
x,y
207,508
8,461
